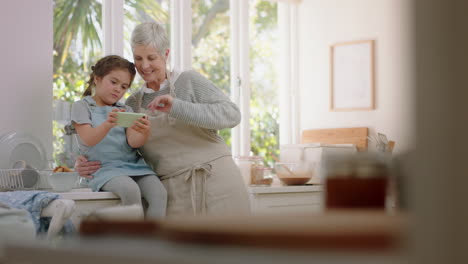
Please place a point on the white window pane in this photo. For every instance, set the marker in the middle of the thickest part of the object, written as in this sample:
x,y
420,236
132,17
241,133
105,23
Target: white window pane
x,y
211,46
264,50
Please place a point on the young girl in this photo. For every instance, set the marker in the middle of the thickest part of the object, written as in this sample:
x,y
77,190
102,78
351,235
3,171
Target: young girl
x,y
122,171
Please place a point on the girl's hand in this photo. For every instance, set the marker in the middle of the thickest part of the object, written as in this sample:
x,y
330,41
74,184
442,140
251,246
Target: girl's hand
x,y
142,126
112,117
85,168
162,103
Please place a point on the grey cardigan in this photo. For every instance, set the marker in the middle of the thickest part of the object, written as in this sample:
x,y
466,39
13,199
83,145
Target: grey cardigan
x,y
198,102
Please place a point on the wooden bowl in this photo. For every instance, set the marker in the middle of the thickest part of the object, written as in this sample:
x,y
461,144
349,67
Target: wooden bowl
x,y
294,181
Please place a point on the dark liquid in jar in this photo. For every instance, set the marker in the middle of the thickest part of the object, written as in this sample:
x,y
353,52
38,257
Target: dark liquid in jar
x,y
356,192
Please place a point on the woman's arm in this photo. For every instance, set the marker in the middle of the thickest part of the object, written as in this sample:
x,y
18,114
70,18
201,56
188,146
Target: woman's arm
x,y
138,133
93,135
85,168
216,115
199,102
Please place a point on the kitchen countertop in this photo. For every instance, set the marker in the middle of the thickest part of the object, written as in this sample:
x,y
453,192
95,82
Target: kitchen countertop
x,y
88,194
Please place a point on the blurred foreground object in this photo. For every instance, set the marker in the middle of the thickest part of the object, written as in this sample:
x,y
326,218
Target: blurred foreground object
x,y
334,230
356,181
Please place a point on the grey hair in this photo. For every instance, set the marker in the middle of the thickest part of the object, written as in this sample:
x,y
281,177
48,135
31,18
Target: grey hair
x,y
150,33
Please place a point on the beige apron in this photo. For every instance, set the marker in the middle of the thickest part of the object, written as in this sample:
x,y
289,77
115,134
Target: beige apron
x,y
194,165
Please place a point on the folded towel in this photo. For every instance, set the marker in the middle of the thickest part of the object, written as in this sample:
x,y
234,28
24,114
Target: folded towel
x,y
34,202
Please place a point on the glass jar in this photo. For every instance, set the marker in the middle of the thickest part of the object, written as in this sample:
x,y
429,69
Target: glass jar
x,y
82,182
355,181
246,165
261,176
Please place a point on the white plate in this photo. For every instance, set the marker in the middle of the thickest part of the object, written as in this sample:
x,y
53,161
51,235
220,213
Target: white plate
x,y
16,146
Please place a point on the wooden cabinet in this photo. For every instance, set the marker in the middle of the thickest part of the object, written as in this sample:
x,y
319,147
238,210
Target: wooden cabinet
x,y
286,199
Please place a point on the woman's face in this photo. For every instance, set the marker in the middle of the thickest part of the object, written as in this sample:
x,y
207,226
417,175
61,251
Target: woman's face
x,y
111,87
150,64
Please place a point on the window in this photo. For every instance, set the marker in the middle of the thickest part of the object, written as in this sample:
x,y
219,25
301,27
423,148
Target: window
x,y
77,45
79,41
234,43
210,45
264,50
135,12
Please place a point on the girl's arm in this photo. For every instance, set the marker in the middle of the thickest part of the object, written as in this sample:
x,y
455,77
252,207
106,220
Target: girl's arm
x,y
138,133
93,135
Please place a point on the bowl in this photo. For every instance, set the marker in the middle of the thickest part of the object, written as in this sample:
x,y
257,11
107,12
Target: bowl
x,y
63,181
126,119
294,173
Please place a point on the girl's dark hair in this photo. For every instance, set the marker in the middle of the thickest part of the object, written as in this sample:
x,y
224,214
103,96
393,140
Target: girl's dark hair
x,y
107,64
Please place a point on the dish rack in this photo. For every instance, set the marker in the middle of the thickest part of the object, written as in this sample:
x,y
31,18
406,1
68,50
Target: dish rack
x,y
24,179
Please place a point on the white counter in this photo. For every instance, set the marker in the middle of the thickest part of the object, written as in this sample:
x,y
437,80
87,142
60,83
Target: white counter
x,y
86,201
87,194
263,199
279,199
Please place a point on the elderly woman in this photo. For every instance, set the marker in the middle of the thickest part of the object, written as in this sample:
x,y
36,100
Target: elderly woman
x,y
185,111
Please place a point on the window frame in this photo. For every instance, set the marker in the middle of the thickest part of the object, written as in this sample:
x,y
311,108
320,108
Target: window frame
x,y
113,24
289,93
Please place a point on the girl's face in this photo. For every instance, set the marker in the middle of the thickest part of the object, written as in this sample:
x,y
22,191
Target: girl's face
x,y
111,87
150,64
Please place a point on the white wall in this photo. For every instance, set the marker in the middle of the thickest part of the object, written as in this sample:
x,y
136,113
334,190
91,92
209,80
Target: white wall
x,y
26,68
325,22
